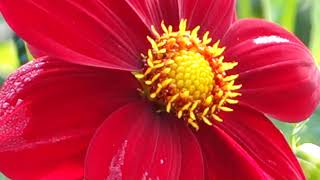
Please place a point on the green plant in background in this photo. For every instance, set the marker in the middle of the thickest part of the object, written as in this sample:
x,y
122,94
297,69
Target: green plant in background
x,y
12,51
2,177
315,31
8,53
309,157
9,58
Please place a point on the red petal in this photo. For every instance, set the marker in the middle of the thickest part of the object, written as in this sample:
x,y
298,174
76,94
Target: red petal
x,y
153,12
49,110
66,171
84,32
262,141
225,158
206,13
213,16
35,52
136,143
277,72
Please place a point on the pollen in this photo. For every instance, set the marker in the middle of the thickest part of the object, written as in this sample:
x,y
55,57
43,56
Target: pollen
x,y
187,75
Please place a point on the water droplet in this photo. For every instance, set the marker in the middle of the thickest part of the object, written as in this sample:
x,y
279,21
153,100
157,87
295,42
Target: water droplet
x,y
5,105
117,162
270,39
161,161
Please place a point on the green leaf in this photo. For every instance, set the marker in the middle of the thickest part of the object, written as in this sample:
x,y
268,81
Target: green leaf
x,y
315,30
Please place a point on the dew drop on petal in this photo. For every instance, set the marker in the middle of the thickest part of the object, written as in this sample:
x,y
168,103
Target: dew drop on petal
x,y
115,172
14,117
161,161
270,39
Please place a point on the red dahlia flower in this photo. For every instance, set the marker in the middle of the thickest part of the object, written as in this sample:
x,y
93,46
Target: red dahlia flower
x,y
104,103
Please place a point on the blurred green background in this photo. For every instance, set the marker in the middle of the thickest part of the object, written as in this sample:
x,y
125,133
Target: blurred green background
x,y
302,17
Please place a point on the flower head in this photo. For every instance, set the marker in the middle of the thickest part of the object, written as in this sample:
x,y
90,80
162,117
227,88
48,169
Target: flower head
x,y
152,89
187,76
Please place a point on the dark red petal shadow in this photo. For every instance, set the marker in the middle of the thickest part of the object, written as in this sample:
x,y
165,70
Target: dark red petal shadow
x,y
213,16
137,143
36,52
67,171
49,110
262,141
153,12
278,73
224,158
96,33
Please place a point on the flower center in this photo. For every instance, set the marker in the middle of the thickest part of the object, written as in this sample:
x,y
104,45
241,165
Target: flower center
x,y
187,76
191,72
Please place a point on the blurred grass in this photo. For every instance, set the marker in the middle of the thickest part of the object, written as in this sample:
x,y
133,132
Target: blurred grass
x,y
288,17
315,30
8,58
246,8
267,9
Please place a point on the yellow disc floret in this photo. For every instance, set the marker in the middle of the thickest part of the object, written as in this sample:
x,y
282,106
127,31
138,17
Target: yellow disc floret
x,y
191,72
188,76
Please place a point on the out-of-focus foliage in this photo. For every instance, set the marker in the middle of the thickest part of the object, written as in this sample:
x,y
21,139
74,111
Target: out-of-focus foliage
x,y
2,177
8,53
8,57
315,32
309,157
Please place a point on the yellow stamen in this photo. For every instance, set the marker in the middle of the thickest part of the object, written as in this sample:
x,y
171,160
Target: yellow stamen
x,y
153,43
185,107
194,33
154,32
217,118
138,75
227,109
164,28
187,75
228,66
207,121
172,99
232,101
231,78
